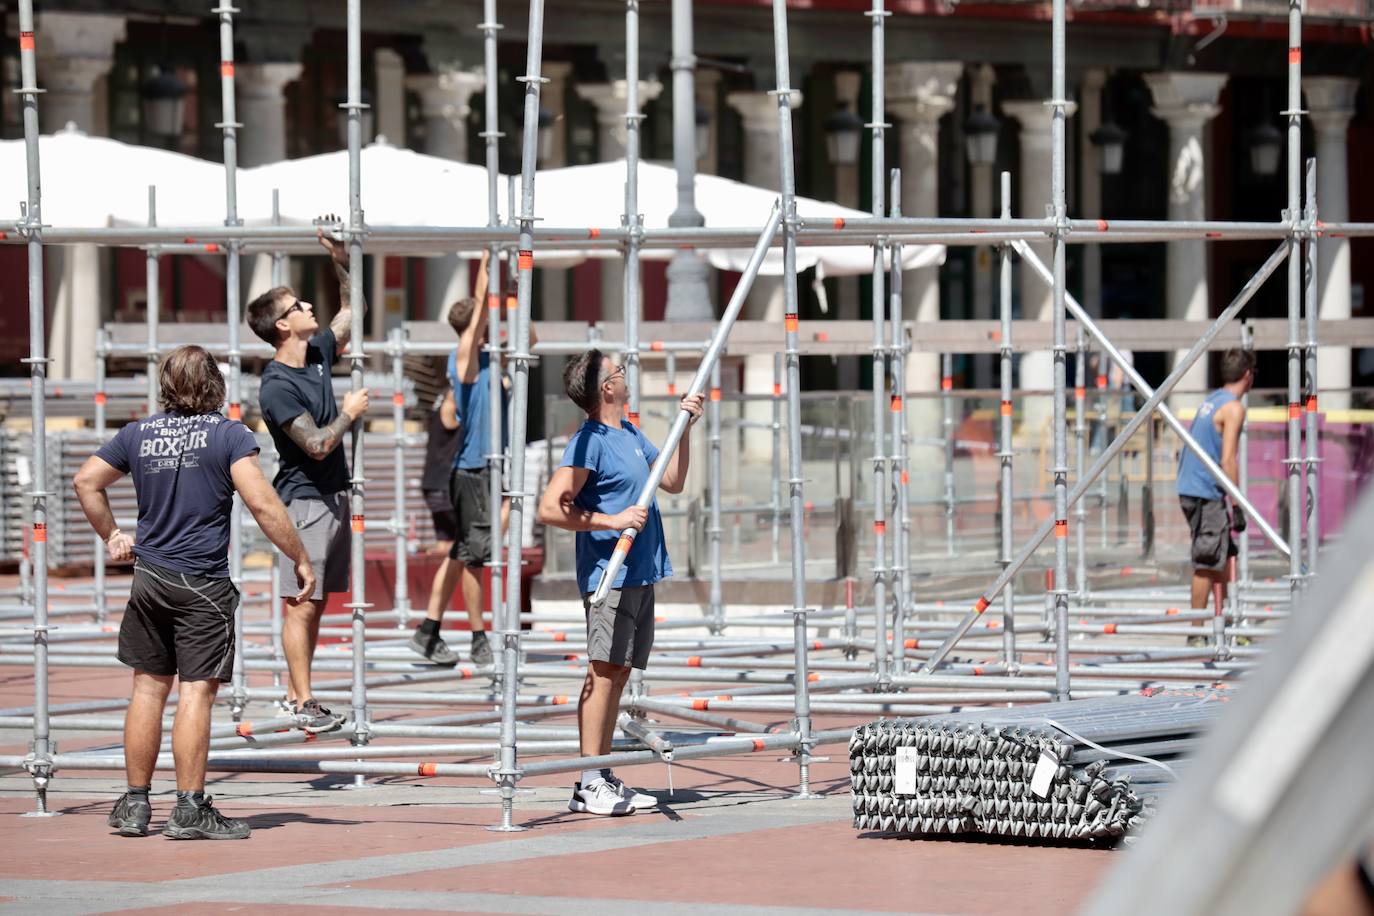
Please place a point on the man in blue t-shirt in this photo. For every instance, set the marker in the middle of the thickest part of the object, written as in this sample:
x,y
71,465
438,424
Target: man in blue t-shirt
x,y
593,493
1216,427
307,428
186,464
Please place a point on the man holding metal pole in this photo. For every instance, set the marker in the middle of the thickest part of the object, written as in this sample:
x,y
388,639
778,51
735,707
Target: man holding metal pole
x,y
307,427
186,462
594,491
1216,427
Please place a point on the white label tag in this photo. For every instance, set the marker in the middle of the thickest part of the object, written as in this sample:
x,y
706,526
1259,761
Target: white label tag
x,y
1045,768
905,781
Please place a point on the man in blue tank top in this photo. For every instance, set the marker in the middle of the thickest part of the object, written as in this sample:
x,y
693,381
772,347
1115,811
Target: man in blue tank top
x,y
1217,429
593,493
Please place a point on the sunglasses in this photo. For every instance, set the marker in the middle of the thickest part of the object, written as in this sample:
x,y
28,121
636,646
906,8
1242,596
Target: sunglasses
x,y
296,306
617,371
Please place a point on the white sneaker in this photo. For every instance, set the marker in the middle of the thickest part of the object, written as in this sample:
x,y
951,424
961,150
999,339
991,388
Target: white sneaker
x,y
598,797
638,800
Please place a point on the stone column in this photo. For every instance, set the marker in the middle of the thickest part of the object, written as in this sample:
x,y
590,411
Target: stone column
x,y
553,281
918,95
444,104
847,84
707,96
1331,105
75,53
262,111
982,179
1090,183
1037,299
1186,102
390,70
609,101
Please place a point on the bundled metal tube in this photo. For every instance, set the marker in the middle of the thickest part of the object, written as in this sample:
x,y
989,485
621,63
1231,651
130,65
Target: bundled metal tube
x,y
1312,464
877,17
1005,453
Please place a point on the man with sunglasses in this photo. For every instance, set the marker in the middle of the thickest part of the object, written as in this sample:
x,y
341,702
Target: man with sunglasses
x,y
307,428
593,493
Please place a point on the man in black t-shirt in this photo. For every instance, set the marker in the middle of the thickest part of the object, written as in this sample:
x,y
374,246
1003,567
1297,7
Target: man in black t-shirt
x,y
186,464
307,427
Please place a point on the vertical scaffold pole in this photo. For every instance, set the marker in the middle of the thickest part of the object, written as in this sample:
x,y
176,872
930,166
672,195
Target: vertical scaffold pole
x,y
1312,467
775,488
1080,436
715,610
229,126
39,760
1004,451
901,515
1101,399
275,597
102,357
1293,216
947,431
152,274
398,491
356,354
877,127
278,259
508,770
1247,342
495,457
1060,469
801,688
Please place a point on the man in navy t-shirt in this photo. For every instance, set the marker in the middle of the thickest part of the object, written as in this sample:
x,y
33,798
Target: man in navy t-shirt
x,y
186,464
307,427
593,493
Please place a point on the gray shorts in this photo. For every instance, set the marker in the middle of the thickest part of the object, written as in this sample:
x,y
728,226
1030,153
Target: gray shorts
x,y
1209,524
324,529
621,631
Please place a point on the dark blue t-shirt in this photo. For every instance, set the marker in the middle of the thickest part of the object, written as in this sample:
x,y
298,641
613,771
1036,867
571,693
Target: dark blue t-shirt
x,y
285,394
619,461
180,465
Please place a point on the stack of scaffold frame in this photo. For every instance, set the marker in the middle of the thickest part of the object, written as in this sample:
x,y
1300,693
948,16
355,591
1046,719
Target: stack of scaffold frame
x,y
912,671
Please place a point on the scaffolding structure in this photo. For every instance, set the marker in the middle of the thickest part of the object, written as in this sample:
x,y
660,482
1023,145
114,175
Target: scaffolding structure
x,y
910,642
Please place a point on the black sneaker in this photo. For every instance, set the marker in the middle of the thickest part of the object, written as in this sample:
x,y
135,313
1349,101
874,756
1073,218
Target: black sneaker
x,y
481,649
433,649
313,718
131,815
190,821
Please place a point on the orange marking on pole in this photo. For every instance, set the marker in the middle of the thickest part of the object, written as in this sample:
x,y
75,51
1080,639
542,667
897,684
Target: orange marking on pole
x,y
911,643
309,736
1061,528
1171,611
211,247
1080,393
995,334
701,705
40,532
1294,411
560,700
464,673
822,336
896,403
813,677
398,399
226,68
946,384
236,411
4,235
838,223
724,696
1212,235
493,300
1101,381
656,345
1294,56
977,671
525,260
694,661
100,397
777,389
672,388
512,304
906,476
1102,225
981,605
634,417
1109,628
593,233
759,744
880,527
560,636
715,394
1006,408
427,769
790,323
808,506
189,240
26,42
570,658
243,729
993,624
359,524
624,543
1312,404
1127,570
818,645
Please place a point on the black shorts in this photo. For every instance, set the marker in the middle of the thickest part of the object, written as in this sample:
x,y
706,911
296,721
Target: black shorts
x,y
1209,522
442,515
471,493
177,623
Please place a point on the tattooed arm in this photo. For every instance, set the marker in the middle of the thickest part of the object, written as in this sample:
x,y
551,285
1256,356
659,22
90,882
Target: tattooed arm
x,y
318,442
342,322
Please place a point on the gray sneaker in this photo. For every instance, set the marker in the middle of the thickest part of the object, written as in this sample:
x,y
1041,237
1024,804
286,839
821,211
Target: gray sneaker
x,y
190,821
433,649
131,815
481,649
313,718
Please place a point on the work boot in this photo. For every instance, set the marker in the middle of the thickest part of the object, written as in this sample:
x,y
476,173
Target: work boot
x,y
192,820
131,814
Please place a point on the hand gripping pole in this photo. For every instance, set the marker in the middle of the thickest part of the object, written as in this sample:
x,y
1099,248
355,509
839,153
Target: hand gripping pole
x,y
698,385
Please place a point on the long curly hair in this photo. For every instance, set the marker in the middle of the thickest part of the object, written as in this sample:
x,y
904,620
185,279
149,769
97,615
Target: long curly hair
x,y
189,382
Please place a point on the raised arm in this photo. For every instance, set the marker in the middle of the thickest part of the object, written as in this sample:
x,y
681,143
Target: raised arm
x,y
342,322
90,483
675,474
271,517
319,442
471,340
556,506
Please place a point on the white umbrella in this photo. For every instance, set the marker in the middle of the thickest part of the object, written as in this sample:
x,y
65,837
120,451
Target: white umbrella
x,y
594,195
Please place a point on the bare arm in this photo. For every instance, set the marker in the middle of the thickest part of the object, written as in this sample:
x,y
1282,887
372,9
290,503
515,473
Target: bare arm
x,y
270,513
90,483
317,442
1232,418
342,322
470,341
675,475
448,411
556,506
